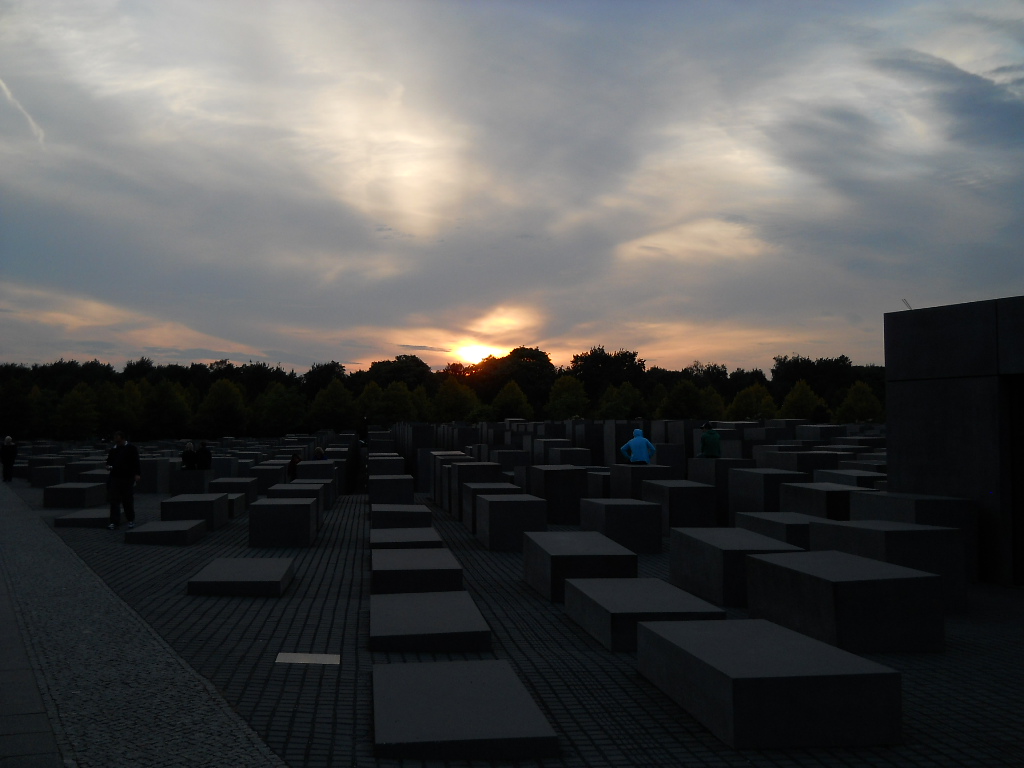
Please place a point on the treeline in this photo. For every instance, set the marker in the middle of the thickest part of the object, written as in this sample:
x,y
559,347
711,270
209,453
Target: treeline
x,y
71,400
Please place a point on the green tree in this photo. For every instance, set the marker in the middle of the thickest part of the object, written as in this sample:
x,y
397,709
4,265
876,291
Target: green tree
x,y
624,402
753,402
424,408
511,403
860,405
682,402
368,402
133,408
165,411
712,406
332,408
396,404
77,417
567,399
42,403
454,401
222,411
803,403
278,410
598,369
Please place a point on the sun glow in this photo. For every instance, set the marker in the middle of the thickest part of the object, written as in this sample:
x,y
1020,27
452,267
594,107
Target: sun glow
x,y
474,353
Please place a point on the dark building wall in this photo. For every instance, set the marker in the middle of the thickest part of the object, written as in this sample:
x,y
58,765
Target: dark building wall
x,y
953,390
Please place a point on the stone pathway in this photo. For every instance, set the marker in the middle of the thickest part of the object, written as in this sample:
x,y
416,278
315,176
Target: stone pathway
x,y
136,672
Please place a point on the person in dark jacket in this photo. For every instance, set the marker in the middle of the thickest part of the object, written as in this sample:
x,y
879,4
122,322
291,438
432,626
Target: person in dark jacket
x,y
293,467
125,471
188,457
204,456
710,442
8,455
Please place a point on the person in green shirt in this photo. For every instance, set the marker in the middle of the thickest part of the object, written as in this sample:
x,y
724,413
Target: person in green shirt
x,y
710,443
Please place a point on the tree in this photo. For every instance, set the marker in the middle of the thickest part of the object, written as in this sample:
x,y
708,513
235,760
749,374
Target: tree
x,y
623,402
321,375
682,402
598,369
368,402
707,375
511,403
396,403
803,403
753,402
828,376
77,417
165,411
222,411
424,408
136,370
332,408
567,399
860,405
712,406
528,367
278,410
454,401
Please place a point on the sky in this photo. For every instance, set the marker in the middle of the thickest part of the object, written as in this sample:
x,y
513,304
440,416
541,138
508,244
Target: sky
x,y
299,182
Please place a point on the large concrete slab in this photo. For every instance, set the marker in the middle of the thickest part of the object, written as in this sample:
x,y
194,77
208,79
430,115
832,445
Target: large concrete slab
x,y
634,524
391,489
400,516
828,500
74,495
83,518
405,538
502,519
169,532
756,489
414,570
790,527
250,486
711,562
627,479
211,507
470,492
610,609
283,523
855,603
756,685
684,503
244,577
551,557
427,622
457,710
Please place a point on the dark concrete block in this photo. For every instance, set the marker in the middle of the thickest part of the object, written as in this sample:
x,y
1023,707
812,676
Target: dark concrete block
x,y
855,603
510,458
502,519
942,342
756,685
74,495
414,570
578,457
470,492
386,465
405,538
248,485
610,609
627,479
804,461
790,527
170,532
561,486
325,470
634,524
392,489
684,503
716,472
757,489
156,475
45,475
237,504
711,562
267,474
551,557
193,481
282,523
827,500
856,477
400,516
427,622
244,577
599,485
315,491
85,518
457,710
211,507
928,548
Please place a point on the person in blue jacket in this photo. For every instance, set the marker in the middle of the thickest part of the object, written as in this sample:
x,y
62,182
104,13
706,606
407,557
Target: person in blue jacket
x,y
639,450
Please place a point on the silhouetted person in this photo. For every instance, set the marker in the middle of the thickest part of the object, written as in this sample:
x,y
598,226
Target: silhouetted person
x,y
639,450
355,470
318,454
188,457
8,455
125,471
293,466
710,443
204,457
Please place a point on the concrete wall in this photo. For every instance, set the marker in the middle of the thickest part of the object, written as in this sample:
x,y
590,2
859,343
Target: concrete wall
x,y
955,417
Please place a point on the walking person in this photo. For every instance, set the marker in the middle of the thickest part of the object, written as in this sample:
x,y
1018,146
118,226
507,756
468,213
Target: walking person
x,y
639,450
8,455
125,471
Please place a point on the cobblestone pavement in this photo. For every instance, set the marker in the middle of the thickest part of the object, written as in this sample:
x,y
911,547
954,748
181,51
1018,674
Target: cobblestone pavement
x,y
116,661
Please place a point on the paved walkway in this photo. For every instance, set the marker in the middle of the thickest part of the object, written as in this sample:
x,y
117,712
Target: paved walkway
x,y
132,671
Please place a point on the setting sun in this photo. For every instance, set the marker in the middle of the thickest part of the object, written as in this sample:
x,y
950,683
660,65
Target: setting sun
x,y
476,352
